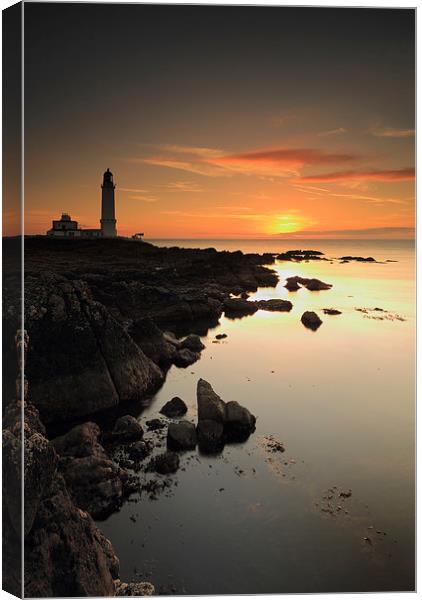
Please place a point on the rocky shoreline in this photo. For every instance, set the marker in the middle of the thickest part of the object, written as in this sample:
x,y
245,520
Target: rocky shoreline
x,y
104,321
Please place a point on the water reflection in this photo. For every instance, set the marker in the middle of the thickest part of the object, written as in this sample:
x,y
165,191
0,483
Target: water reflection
x,y
341,399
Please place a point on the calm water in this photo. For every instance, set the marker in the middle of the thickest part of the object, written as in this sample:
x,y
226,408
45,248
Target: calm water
x,y
342,401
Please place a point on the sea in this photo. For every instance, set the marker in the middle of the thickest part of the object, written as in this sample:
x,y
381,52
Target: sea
x,y
334,512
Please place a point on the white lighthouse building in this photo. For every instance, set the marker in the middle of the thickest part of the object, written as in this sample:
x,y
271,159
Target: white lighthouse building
x,y
66,227
108,216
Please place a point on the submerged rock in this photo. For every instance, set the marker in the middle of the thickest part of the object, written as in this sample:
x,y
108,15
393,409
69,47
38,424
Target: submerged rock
x,y
221,336
181,436
357,258
174,408
292,285
155,424
311,320
127,429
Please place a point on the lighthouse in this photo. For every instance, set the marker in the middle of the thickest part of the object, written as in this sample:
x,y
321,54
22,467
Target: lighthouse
x,y
108,216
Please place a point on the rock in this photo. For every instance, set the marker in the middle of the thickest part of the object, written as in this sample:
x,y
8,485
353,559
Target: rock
x,y
221,336
300,255
141,588
238,306
186,357
292,285
210,405
154,424
152,342
80,441
193,342
275,304
357,258
331,311
172,339
239,422
311,320
314,285
181,436
311,284
165,463
98,367
210,436
65,553
127,429
174,408
139,450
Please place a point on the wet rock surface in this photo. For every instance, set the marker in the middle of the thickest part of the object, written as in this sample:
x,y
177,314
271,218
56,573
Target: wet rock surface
x,y
312,284
127,429
181,436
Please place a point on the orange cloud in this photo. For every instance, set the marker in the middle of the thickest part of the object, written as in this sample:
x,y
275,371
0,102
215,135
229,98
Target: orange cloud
x,y
374,175
280,160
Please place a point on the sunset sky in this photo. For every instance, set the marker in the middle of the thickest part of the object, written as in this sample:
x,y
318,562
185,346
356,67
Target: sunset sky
x,y
221,121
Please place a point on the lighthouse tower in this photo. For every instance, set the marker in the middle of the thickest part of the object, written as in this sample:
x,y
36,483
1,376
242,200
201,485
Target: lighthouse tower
x,y
108,217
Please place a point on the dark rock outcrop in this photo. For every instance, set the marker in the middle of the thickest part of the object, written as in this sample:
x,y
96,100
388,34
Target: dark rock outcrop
x,y
210,436
192,342
239,307
210,406
310,284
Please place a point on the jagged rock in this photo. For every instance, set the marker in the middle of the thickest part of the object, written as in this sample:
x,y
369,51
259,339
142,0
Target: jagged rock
x,y
275,304
141,588
172,339
165,463
210,405
239,422
238,306
65,553
127,429
97,367
174,408
95,482
193,342
210,435
185,357
181,436
311,320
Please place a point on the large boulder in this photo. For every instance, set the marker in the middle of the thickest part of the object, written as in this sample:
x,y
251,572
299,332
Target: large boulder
x,y
210,405
181,436
174,408
80,441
